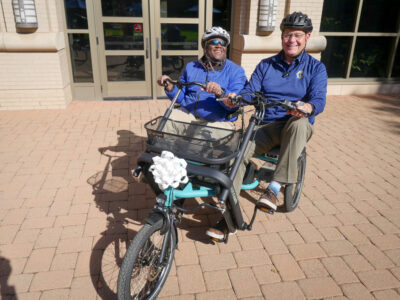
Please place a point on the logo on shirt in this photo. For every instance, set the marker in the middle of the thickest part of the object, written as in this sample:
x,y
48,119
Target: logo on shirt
x,y
300,74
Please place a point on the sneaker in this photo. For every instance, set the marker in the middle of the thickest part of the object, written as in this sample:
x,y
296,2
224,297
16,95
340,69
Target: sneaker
x,y
219,232
268,200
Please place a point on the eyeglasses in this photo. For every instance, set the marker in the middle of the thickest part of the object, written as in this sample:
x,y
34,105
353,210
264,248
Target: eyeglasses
x,y
297,36
216,42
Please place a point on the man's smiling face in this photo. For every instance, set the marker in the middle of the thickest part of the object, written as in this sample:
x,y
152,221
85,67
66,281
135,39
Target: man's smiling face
x,y
216,52
293,42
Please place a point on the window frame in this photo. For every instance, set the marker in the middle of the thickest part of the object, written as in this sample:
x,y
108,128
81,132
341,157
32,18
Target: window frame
x,y
354,35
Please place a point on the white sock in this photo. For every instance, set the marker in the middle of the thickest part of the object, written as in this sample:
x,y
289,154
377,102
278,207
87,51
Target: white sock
x,y
275,186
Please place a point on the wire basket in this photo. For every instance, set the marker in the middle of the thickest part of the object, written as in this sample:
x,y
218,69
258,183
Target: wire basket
x,y
206,144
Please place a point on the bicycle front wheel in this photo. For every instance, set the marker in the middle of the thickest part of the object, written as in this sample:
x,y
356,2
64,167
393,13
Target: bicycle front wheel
x,y
143,273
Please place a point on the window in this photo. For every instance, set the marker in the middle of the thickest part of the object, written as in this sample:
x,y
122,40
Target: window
x,y
75,11
78,39
222,14
179,9
81,61
336,54
362,38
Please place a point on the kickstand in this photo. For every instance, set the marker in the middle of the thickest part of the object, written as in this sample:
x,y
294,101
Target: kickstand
x,y
250,226
226,238
268,211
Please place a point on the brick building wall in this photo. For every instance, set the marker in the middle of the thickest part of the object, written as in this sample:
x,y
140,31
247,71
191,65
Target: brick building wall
x,y
34,66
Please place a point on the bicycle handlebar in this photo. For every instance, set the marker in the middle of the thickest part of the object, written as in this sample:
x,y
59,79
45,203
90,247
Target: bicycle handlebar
x,y
180,84
238,99
286,104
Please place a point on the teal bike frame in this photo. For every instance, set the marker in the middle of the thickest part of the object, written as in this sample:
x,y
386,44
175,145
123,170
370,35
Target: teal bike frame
x,y
188,192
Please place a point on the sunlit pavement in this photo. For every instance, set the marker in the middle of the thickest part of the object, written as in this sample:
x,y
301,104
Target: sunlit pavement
x,y
67,211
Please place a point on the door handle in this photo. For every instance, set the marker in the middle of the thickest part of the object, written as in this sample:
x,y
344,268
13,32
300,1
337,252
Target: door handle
x,y
157,48
147,48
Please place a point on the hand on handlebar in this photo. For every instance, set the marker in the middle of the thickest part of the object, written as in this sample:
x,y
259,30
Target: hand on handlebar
x,y
213,88
163,80
303,109
228,100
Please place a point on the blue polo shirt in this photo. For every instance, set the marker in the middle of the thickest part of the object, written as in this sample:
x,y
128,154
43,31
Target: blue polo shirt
x,y
305,79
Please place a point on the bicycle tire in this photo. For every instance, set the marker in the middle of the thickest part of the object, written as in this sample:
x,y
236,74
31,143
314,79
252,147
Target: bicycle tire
x,y
293,191
134,259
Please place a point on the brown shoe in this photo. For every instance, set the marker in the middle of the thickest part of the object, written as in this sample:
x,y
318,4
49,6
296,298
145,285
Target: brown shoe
x,y
268,200
219,232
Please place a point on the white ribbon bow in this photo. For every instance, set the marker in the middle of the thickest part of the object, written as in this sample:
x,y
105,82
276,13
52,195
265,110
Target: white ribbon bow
x,y
169,170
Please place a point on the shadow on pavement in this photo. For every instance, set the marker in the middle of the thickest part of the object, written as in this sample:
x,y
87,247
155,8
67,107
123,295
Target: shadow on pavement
x,y
6,291
390,105
126,201
111,188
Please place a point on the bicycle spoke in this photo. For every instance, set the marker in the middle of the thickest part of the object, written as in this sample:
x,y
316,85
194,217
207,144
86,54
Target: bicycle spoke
x,y
143,277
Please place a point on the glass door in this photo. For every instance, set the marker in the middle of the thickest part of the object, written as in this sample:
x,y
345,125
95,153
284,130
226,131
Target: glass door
x,y
176,28
123,40
139,40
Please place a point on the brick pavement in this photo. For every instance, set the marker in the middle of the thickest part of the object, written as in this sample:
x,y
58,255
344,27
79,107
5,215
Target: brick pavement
x,y
66,211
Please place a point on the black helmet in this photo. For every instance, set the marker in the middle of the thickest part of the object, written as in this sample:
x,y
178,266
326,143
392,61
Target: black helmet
x,y
297,20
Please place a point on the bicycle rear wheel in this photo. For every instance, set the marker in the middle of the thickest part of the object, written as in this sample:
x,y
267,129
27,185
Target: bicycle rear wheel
x,y
142,275
293,190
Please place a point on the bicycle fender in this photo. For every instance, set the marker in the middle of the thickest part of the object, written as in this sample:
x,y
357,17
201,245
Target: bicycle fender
x,y
176,235
156,215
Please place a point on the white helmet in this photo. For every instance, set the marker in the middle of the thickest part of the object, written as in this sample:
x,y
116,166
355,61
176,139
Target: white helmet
x,y
215,32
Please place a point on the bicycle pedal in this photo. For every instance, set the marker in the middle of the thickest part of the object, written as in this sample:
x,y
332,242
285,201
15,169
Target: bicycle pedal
x,y
266,210
223,240
218,240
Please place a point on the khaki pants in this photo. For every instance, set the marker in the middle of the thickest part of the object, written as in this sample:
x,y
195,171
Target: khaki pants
x,y
291,135
183,115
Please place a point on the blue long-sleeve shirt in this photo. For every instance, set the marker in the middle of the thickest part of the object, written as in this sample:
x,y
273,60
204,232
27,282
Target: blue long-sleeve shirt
x,y
305,79
202,104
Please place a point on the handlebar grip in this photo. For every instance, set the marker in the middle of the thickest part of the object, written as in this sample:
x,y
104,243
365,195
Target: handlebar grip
x,y
302,111
236,99
239,99
173,82
299,109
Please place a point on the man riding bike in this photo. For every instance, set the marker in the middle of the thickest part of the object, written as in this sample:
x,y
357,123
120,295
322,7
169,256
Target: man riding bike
x,y
294,75
218,73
